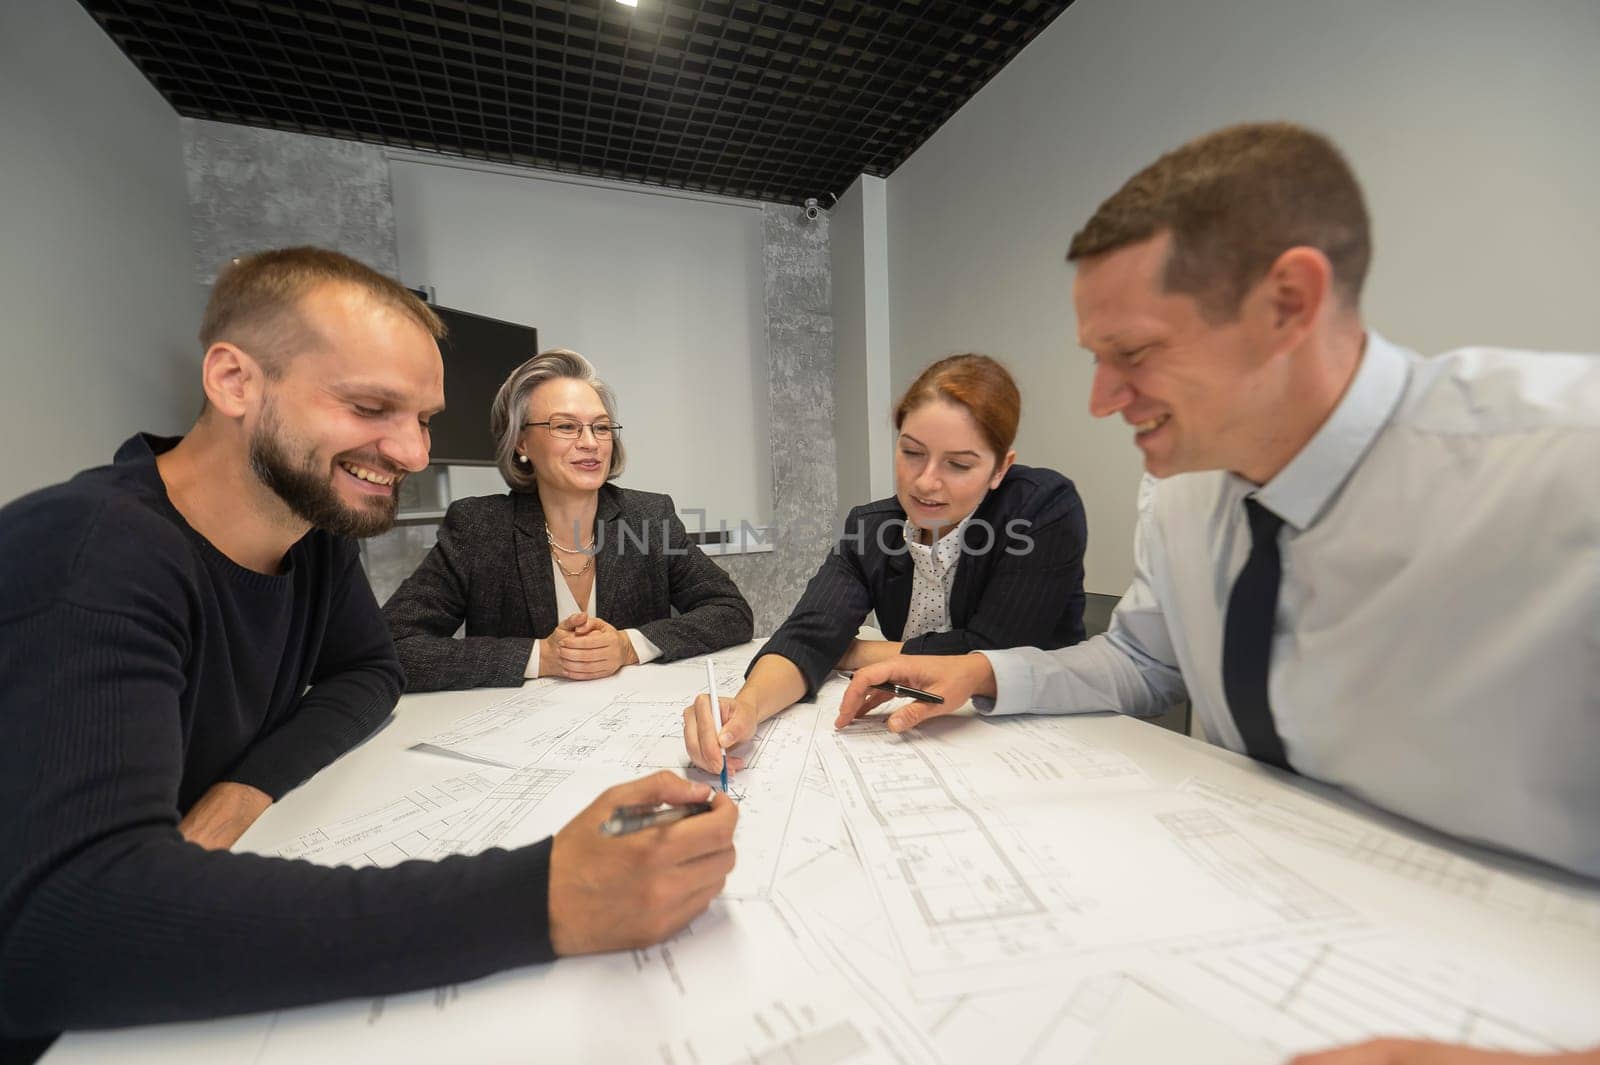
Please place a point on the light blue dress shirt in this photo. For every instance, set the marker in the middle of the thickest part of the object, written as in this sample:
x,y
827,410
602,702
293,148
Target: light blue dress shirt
x,y
1437,641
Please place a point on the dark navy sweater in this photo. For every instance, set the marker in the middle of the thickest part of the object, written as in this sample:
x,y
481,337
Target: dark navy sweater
x,y
138,667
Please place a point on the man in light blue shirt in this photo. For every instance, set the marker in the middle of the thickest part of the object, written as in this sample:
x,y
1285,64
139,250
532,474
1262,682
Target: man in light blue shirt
x,y
1374,569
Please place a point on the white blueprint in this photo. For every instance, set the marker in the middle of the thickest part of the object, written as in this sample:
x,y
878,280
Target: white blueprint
x,y
407,826
1015,891
984,889
554,722
998,934
523,766
734,987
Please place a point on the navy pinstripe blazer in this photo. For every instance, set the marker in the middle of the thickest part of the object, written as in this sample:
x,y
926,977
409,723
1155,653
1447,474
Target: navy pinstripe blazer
x,y
491,570
1025,590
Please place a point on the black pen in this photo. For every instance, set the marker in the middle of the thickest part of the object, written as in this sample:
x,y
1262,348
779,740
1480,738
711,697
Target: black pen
x,y
898,689
909,693
626,819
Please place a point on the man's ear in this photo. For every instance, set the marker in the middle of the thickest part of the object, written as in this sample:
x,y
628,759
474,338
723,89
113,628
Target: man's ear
x,y
1295,291
1000,470
232,380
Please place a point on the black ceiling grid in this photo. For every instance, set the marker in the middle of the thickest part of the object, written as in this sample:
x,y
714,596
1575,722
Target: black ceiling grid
x,y
764,101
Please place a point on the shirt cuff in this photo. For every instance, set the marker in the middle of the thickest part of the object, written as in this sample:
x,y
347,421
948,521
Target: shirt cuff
x,y
1013,685
643,649
531,670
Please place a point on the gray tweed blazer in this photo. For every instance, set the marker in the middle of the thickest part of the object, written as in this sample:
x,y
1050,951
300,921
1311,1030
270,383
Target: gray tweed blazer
x,y
491,570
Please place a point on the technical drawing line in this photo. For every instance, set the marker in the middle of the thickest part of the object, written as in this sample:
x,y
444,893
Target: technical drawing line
x,y
1304,978
632,733
1216,846
401,828
498,813
833,1045
1413,860
794,798
1041,1041
1001,889
1340,996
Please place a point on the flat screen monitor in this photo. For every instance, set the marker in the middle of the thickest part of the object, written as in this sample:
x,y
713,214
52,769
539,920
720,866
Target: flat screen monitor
x,y
479,353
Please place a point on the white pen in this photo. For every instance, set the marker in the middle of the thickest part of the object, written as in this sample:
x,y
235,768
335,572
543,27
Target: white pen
x,y
716,713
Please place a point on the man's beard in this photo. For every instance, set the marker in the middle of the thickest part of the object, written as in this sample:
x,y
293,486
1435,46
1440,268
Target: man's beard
x,y
308,490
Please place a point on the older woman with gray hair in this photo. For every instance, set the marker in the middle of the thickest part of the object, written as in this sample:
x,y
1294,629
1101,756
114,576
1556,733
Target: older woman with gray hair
x,y
566,575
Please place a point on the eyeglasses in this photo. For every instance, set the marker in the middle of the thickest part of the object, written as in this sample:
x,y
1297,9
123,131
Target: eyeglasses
x,y
571,430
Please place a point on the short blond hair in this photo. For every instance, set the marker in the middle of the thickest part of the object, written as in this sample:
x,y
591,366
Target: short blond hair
x,y
255,301
511,403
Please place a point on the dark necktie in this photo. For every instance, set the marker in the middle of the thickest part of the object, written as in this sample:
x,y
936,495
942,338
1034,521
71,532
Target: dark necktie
x,y
1247,638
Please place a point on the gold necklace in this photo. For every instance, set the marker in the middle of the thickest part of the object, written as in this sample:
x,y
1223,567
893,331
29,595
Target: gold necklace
x,y
584,550
573,573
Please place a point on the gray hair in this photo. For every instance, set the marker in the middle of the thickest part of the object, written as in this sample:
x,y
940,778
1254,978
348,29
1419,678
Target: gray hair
x,y
511,405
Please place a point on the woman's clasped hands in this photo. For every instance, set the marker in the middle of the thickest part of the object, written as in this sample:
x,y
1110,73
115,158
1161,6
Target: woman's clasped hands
x,y
586,648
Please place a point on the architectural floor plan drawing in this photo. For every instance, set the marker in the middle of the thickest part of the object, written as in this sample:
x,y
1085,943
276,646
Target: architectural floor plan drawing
x,y
1334,993
606,732
1020,757
1313,978
636,734
1118,1019
539,761
509,732
1217,847
736,986
1011,891
1299,997
496,818
695,998
525,728
984,891
408,826
1105,1019
730,663
768,791
1337,832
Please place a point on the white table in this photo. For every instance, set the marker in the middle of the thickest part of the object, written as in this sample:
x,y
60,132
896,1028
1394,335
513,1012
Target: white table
x,y
1215,910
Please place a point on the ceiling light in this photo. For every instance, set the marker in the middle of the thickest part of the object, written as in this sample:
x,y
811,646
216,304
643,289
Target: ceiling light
x,y
628,3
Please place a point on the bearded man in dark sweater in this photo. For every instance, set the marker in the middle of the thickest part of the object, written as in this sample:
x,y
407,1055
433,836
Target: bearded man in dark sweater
x,y
186,634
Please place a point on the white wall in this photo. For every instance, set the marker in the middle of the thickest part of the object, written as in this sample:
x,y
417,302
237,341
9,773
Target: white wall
x,y
95,291
662,292
1470,122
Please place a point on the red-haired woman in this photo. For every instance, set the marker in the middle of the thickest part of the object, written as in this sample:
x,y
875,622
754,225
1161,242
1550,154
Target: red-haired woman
x,y
971,552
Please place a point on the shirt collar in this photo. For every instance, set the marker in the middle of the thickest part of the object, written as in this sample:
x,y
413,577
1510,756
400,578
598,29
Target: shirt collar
x,y
1302,489
946,550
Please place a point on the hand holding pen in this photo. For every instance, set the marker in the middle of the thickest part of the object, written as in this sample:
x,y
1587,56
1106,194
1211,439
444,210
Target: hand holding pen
x,y
626,820
705,743
938,684
716,716
657,867
898,691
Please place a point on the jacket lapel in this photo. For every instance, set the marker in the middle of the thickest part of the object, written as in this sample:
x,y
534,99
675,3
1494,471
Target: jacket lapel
x,y
972,574
610,565
893,600
964,593
533,563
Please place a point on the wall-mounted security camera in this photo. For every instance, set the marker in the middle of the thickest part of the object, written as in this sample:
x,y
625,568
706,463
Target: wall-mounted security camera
x,y
814,209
